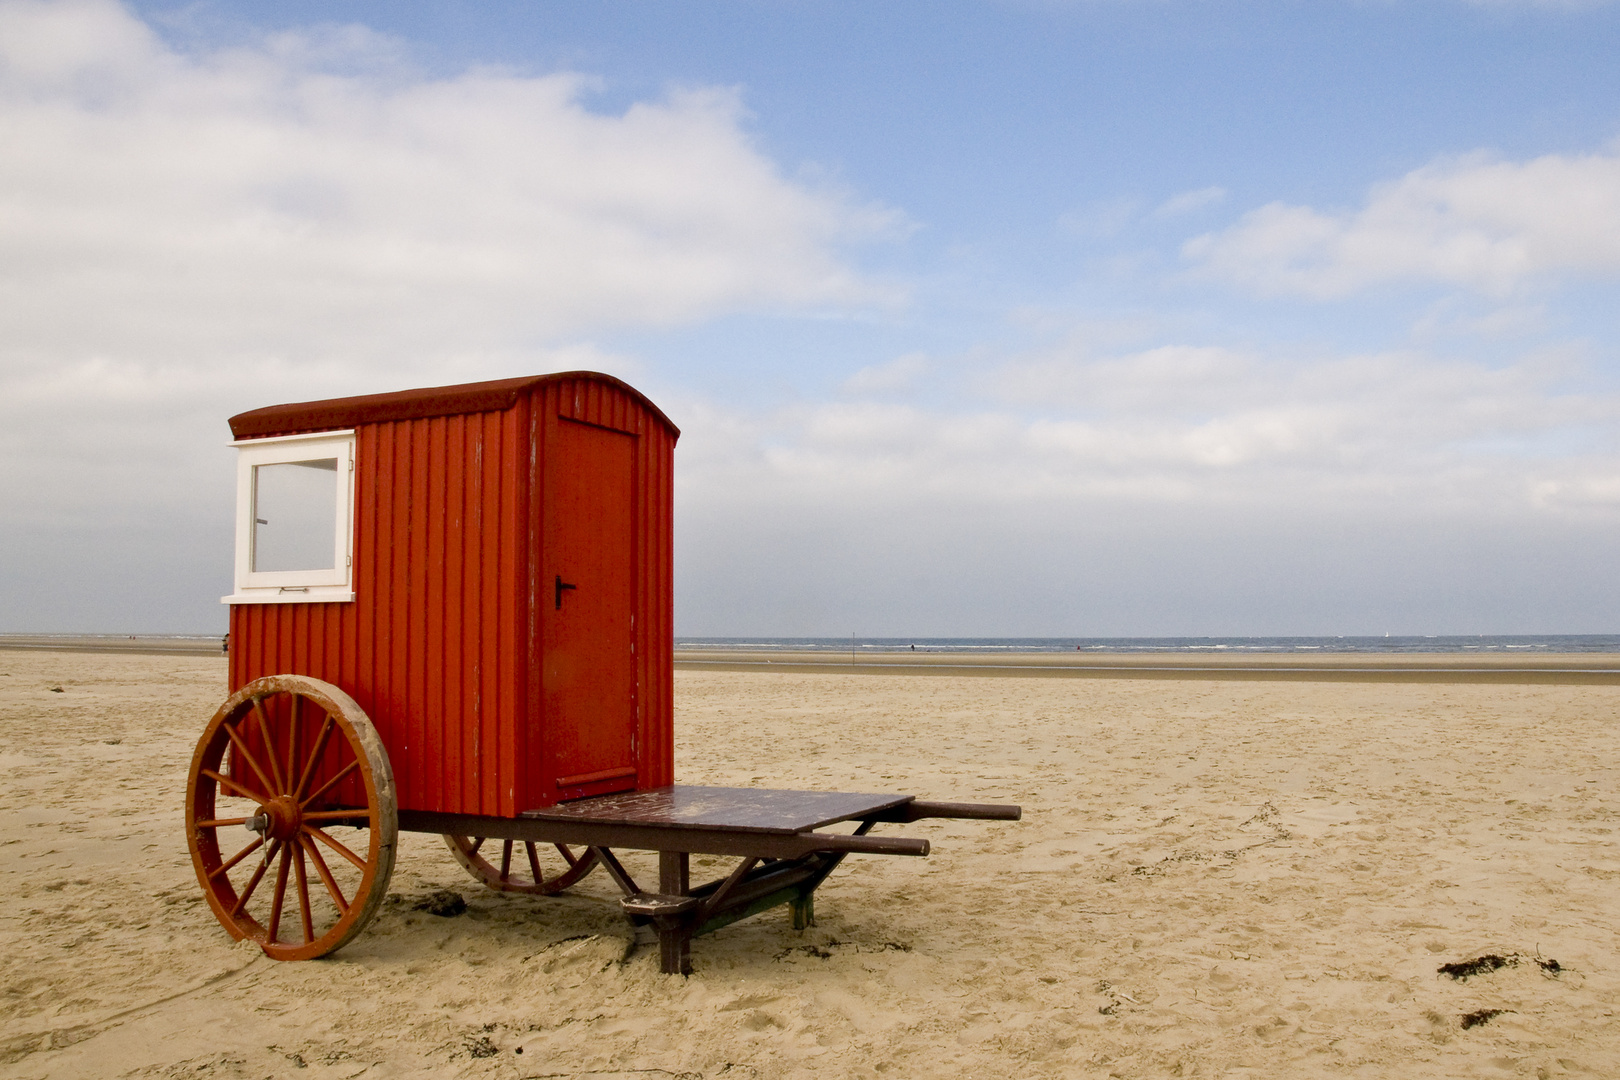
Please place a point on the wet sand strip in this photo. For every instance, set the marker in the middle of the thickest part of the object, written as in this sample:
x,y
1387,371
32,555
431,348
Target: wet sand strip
x,y
136,644
1563,669
1567,669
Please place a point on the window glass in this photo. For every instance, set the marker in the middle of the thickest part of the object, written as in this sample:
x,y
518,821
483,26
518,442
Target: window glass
x,y
295,515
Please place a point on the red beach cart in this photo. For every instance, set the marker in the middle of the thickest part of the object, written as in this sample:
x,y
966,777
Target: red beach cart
x,y
453,613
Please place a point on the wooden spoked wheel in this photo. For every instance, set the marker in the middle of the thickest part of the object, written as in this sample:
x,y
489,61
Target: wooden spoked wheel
x,y
291,816
520,866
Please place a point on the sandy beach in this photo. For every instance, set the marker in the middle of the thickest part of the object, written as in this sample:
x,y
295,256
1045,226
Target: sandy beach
x,y
1214,877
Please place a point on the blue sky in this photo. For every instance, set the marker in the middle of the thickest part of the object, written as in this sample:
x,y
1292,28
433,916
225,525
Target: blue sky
x,y
1112,317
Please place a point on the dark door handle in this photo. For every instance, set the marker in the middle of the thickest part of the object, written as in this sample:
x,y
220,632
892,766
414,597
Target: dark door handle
x,y
561,585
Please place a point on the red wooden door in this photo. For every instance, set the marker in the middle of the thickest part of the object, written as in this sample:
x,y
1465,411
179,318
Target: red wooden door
x,y
588,609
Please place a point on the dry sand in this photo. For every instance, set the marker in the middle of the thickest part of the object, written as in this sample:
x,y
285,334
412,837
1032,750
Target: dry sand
x,y
1213,878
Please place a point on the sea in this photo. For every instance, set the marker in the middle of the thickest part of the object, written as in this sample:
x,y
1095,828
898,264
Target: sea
x,y
1388,643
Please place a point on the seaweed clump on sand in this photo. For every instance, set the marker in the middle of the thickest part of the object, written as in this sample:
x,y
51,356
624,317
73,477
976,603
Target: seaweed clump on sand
x,y
1479,965
444,903
1483,1016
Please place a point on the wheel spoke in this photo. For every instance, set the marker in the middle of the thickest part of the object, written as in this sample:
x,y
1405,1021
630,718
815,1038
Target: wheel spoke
x,y
281,891
270,747
303,892
253,882
477,842
562,849
238,857
326,874
314,758
292,736
534,864
225,781
247,756
324,788
335,846
506,860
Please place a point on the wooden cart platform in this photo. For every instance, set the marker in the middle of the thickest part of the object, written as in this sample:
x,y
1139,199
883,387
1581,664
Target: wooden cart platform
x,y
777,834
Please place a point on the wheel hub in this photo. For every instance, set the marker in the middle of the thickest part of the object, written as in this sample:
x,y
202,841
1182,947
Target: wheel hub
x,y
284,818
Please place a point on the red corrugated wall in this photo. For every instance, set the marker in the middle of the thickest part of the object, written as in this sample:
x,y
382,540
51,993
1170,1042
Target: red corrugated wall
x,y
440,644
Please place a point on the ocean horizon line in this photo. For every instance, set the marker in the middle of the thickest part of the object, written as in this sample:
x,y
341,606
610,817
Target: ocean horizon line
x,y
1347,643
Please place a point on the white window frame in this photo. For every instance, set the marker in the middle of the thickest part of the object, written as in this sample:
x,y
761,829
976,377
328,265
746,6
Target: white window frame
x,y
294,586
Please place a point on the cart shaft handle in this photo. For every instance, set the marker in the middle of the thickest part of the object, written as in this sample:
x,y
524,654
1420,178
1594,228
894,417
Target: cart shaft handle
x,y
862,845
917,809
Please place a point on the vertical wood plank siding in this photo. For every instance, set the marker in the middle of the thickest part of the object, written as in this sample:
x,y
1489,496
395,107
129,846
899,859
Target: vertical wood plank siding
x,y
440,646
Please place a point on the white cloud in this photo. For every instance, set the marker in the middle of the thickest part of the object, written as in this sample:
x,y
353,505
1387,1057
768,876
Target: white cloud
x,y
1189,201
1459,315
1472,222
251,203
1187,425
901,373
1176,489
185,235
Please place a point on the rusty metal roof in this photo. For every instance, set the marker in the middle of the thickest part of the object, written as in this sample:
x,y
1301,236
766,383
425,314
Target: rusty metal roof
x,y
495,396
